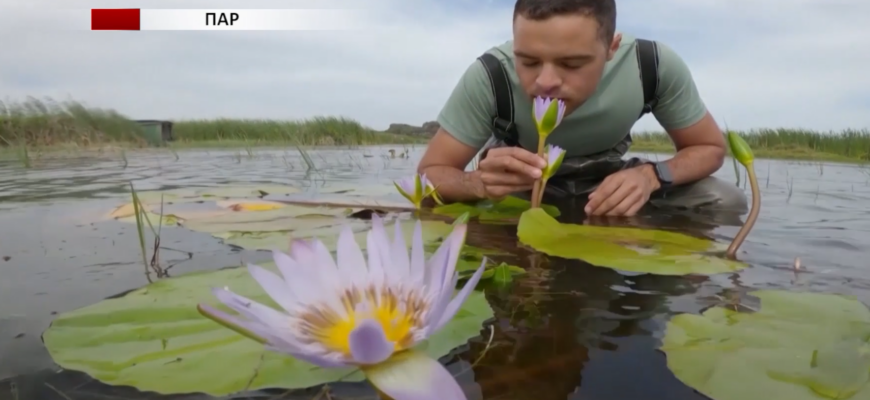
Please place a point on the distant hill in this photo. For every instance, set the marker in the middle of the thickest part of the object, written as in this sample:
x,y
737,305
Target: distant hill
x,y
427,130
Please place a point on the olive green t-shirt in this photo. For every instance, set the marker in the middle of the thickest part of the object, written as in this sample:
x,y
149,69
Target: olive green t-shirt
x,y
599,124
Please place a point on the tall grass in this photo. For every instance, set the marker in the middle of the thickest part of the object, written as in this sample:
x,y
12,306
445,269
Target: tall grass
x,y
47,122
784,143
325,131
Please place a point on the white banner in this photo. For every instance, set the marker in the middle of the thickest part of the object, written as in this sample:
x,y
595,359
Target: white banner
x,y
253,20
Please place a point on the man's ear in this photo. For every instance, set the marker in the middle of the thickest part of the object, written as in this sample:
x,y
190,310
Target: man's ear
x,y
614,45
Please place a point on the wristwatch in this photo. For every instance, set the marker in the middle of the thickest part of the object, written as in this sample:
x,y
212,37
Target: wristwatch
x,y
663,173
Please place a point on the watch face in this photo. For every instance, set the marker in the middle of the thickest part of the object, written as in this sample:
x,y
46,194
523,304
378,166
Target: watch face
x,y
663,173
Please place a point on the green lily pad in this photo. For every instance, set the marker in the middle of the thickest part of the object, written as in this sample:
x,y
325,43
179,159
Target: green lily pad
x,y
487,210
628,249
192,194
154,339
798,346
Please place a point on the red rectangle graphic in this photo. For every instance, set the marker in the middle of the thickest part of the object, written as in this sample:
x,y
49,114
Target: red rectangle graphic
x,y
115,19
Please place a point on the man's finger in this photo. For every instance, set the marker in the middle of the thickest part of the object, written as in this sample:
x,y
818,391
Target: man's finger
x,y
508,163
505,179
602,192
612,200
527,157
635,208
505,190
627,203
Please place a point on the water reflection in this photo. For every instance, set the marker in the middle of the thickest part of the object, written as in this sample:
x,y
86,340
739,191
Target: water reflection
x,y
566,329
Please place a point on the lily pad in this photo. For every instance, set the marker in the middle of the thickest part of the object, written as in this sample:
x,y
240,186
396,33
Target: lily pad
x,y
798,346
628,249
154,339
191,194
487,210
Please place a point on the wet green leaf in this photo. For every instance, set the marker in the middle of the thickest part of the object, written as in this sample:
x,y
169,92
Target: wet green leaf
x,y
740,149
502,274
487,210
798,346
628,249
154,339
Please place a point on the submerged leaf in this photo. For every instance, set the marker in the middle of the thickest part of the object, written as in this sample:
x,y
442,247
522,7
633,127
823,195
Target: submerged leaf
x,y
628,249
154,339
798,346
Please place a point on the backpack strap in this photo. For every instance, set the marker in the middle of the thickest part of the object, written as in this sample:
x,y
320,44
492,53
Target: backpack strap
x,y
503,126
648,64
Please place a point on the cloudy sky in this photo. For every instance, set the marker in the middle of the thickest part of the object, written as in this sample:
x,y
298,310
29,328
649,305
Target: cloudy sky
x,y
758,63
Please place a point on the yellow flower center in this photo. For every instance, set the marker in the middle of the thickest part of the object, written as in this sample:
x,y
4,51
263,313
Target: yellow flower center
x,y
397,315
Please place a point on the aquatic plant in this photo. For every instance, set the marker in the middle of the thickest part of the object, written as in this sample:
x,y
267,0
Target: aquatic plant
x,y
548,115
793,346
417,189
356,312
743,154
555,155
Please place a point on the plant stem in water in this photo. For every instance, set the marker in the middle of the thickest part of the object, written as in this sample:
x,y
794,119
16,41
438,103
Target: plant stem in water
x,y
753,214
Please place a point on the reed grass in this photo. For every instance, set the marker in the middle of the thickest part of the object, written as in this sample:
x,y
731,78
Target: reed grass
x,y
46,123
783,143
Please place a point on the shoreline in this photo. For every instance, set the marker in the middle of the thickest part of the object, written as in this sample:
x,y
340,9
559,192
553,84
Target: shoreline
x,y
63,150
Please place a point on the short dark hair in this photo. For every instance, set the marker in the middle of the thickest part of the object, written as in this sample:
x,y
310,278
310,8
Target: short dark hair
x,y
604,12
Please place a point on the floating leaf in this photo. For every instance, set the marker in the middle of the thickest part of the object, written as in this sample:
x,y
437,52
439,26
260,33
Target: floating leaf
x,y
628,249
154,339
487,210
798,346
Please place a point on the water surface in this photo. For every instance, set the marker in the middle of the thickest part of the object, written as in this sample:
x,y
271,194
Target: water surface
x,y
567,331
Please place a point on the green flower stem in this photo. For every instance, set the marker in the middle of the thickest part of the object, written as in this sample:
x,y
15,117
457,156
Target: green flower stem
x,y
538,188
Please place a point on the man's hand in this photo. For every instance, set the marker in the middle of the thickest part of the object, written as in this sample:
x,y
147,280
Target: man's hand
x,y
507,170
623,193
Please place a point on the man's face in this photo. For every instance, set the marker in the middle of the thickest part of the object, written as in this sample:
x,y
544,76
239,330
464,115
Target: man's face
x,y
561,57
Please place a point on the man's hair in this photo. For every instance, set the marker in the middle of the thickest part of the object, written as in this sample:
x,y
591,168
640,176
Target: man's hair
x,y
604,12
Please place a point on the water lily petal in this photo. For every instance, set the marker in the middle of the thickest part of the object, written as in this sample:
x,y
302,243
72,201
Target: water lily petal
x,y
254,311
369,344
455,241
382,246
418,256
375,264
350,260
274,286
407,185
453,307
399,252
328,360
410,375
302,251
303,281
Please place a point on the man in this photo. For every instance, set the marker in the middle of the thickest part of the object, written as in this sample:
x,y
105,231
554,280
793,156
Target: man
x,y
569,49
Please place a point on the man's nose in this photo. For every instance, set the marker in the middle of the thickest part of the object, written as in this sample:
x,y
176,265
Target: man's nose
x,y
548,80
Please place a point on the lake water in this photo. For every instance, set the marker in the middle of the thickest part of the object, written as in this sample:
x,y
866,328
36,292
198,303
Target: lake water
x,y
595,331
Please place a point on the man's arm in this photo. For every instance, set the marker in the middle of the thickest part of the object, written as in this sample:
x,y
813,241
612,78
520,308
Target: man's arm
x,y
465,128
680,110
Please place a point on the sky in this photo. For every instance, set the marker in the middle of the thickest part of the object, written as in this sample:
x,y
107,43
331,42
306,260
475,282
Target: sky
x,y
758,64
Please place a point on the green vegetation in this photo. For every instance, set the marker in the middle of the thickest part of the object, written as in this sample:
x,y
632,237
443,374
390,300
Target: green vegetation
x,y
782,143
37,125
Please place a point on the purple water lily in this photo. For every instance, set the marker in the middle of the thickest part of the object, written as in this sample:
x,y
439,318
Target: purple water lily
x,y
547,114
360,311
408,189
